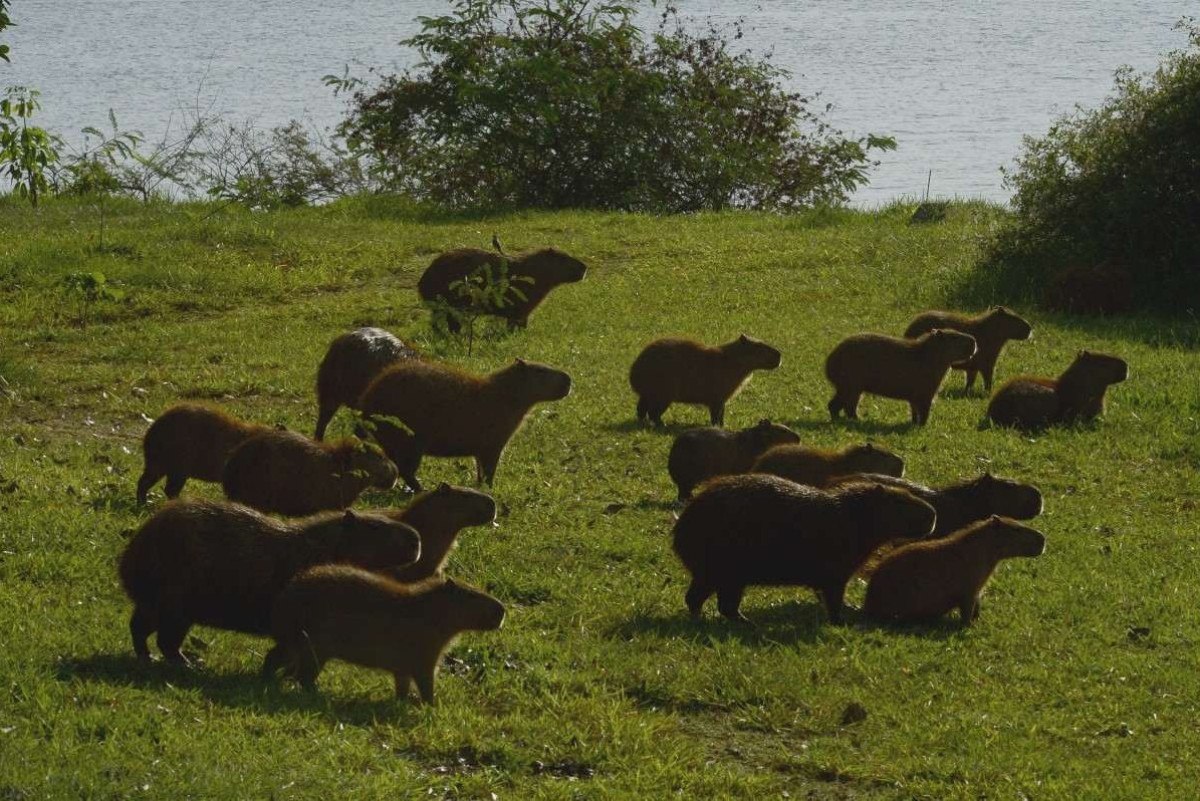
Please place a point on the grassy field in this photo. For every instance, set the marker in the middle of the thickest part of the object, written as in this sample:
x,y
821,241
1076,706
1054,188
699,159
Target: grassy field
x,y
1080,679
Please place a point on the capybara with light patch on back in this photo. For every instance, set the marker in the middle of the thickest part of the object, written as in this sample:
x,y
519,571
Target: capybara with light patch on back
x,y
1031,402
339,612
220,564
816,467
905,369
922,581
438,516
684,371
452,413
760,530
991,330
351,363
289,474
190,441
703,453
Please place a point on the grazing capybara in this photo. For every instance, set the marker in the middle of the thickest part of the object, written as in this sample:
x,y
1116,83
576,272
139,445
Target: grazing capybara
x,y
220,564
816,467
905,369
684,371
924,580
702,453
290,474
991,330
452,413
351,363
190,441
341,612
757,529
1104,289
531,277
1031,402
438,516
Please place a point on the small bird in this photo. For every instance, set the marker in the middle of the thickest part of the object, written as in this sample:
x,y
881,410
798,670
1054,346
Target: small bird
x,y
496,244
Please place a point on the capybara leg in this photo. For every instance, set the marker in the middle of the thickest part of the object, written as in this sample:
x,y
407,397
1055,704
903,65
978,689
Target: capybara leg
x,y
988,371
971,378
850,404
968,610
729,601
695,597
834,597
656,413
403,684
149,479
452,324
274,661
643,409
324,415
684,494
141,626
171,634
835,407
485,467
716,414
175,485
920,410
424,680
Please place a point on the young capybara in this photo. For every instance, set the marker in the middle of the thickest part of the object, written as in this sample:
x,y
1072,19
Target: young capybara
x,y
922,581
991,330
190,441
906,369
684,371
702,453
220,564
438,516
289,474
816,467
453,413
341,612
531,278
351,363
1030,402
764,530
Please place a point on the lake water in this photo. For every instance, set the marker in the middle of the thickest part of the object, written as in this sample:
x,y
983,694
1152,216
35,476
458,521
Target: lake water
x,y
957,82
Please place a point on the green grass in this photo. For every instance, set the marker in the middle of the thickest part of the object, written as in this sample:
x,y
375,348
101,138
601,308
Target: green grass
x,y
1079,679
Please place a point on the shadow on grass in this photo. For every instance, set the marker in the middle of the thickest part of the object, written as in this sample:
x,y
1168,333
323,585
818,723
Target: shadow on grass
x,y
857,426
630,425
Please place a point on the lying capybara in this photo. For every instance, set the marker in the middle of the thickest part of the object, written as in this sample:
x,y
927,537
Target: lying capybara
x,y
991,330
1032,402
531,277
438,516
452,413
290,474
351,363
703,453
816,467
905,369
924,580
341,612
757,529
222,565
684,371
190,441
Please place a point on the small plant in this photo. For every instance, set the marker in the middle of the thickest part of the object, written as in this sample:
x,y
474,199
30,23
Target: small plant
x,y
94,173
484,292
91,288
27,152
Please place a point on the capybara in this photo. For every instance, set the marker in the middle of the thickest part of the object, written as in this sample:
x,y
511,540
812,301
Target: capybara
x,y
1031,402
699,454
816,467
905,369
190,441
531,277
924,580
290,474
220,564
1104,289
351,363
438,516
757,529
685,371
991,330
452,413
341,612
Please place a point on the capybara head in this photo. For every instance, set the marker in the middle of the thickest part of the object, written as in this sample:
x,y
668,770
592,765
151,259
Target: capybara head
x,y
1009,498
1011,538
1009,324
538,381
889,512
873,459
473,609
1104,368
951,346
754,353
766,434
375,542
369,459
557,266
461,506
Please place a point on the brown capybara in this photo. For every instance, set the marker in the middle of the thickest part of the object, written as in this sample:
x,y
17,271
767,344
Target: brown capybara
x,y
924,580
699,454
684,371
531,277
190,441
341,612
438,516
816,467
452,413
351,363
289,474
905,369
220,564
757,529
1104,289
991,330
1030,402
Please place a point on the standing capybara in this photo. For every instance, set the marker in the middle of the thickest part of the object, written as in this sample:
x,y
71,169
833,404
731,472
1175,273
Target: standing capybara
x,y
340,612
905,369
684,371
757,529
438,516
1078,394
924,580
991,330
531,277
703,453
453,413
290,474
816,467
351,363
190,441
222,565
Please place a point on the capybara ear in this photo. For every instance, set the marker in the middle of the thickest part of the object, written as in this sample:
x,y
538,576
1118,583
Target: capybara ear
x,y
1081,353
869,446
994,518
763,423
349,517
743,338
443,487
520,361
451,582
